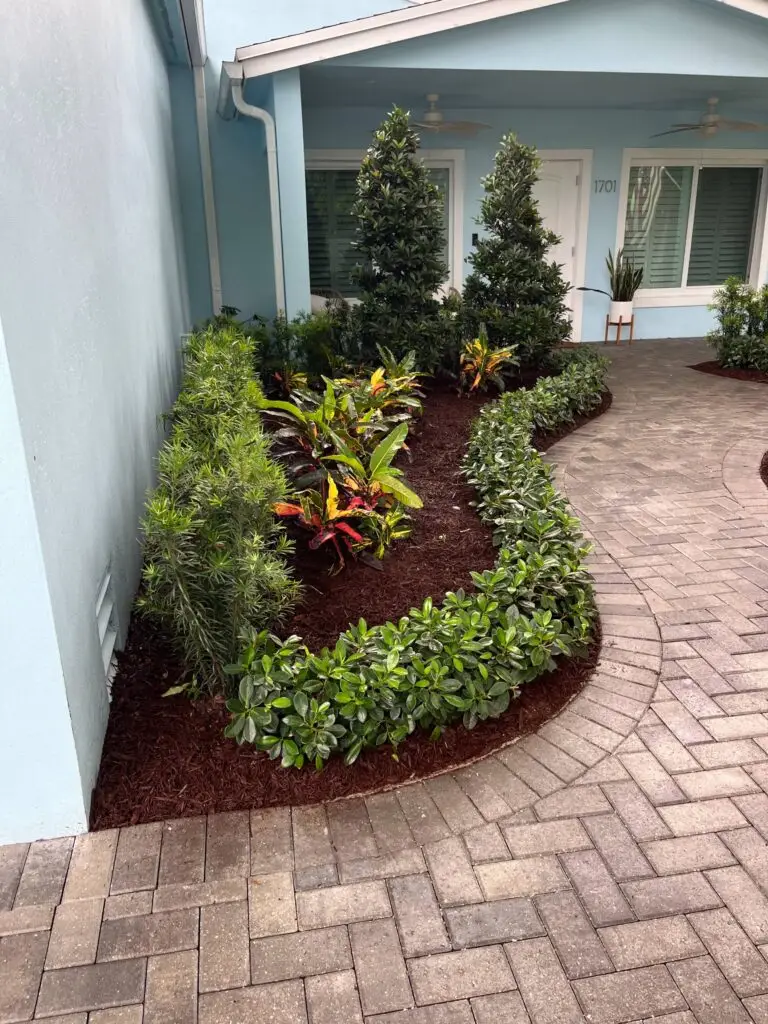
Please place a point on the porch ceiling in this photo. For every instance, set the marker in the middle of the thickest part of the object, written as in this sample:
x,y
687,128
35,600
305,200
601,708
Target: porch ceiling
x,y
374,87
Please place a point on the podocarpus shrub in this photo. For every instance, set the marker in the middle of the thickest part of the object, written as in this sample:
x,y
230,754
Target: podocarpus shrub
x,y
740,339
401,242
468,657
515,289
214,572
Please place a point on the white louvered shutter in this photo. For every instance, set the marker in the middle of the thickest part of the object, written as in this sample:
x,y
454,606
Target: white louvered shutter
x,y
724,224
657,220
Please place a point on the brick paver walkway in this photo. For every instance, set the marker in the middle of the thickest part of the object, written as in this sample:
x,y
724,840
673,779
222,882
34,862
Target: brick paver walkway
x,y
613,868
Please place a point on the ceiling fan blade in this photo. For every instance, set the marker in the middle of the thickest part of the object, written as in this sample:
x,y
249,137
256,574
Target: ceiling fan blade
x,y
743,126
423,126
676,131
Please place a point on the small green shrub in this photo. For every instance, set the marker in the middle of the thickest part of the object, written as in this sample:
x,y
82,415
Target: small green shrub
x,y
214,570
481,364
466,659
740,339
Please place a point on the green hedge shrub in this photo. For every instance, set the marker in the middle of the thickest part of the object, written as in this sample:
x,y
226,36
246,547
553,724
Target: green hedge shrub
x,y
468,657
740,339
214,572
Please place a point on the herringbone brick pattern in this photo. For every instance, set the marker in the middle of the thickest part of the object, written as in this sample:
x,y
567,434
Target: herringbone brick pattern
x,y
613,868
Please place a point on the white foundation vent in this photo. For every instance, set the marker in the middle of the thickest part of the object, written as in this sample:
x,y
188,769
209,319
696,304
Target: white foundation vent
x,y
106,624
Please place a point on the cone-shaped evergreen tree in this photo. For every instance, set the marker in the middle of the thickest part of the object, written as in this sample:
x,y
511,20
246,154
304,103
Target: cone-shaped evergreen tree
x,y
514,288
401,241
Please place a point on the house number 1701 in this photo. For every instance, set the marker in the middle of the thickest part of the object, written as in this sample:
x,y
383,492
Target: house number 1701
x,y
605,184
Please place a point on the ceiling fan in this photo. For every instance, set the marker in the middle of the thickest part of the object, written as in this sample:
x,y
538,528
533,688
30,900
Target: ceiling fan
x,y
712,122
433,120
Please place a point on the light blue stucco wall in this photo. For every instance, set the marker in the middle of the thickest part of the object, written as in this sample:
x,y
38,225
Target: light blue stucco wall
x,y
40,790
605,132
93,303
663,37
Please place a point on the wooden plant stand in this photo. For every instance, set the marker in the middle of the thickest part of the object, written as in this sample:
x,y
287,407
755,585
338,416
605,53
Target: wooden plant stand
x,y
619,324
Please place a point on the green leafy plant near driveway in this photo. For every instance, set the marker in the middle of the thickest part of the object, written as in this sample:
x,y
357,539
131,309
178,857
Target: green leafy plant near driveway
x,y
214,571
740,339
467,658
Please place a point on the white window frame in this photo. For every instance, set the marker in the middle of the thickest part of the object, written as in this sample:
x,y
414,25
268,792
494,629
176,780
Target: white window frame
x,y
450,159
697,295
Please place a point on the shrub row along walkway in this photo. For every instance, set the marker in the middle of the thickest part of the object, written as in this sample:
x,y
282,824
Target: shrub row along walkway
x,y
613,868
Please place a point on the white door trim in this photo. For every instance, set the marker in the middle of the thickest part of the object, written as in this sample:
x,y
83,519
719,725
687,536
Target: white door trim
x,y
584,157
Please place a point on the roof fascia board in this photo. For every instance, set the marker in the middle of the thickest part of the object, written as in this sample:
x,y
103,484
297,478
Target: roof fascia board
x,y
757,7
378,30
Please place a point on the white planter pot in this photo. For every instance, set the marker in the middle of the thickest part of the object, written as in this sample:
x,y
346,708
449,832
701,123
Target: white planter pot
x,y
621,310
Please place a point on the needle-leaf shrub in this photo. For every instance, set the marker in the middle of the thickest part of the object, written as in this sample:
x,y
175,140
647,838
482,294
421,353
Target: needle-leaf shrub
x,y
467,658
214,571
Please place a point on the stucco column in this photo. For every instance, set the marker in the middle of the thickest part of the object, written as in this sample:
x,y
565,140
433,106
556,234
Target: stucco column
x,y
289,127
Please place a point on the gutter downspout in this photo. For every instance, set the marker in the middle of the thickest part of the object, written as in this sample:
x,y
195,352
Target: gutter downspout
x,y
209,202
248,110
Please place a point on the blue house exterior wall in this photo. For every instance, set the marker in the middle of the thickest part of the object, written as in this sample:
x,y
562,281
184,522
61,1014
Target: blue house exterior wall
x,y
683,40
93,303
605,132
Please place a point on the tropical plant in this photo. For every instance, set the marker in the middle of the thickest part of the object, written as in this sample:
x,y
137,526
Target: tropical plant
x,y
466,659
214,570
482,365
514,288
624,277
378,481
386,527
326,515
401,241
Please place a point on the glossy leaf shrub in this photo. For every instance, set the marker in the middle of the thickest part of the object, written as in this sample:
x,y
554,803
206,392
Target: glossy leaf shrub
x,y
467,658
740,339
515,288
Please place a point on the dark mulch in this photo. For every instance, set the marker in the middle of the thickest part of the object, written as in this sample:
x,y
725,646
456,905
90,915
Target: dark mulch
x,y
167,757
448,542
721,371
764,469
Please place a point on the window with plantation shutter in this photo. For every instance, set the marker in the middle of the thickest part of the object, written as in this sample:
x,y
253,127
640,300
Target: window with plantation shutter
x,y
331,226
692,224
723,224
657,221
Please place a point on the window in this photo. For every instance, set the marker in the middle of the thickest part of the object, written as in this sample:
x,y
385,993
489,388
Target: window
x,y
690,225
331,226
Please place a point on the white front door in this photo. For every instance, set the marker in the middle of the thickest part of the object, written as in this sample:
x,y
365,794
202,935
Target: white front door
x,y
558,192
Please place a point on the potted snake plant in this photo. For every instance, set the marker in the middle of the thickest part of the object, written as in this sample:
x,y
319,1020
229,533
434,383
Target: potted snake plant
x,y
625,279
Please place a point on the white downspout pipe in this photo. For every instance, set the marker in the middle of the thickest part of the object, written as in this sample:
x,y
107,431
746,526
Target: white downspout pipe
x,y
248,110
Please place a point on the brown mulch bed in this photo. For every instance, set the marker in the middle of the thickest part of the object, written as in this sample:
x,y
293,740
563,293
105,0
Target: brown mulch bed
x,y
721,371
447,544
167,757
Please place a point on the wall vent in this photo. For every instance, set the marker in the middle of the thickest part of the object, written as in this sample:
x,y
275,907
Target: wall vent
x,y
106,624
